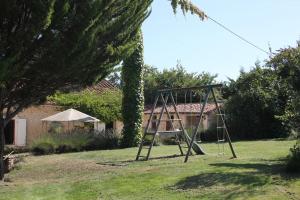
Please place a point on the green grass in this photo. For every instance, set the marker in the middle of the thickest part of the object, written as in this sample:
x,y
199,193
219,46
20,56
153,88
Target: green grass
x,y
258,173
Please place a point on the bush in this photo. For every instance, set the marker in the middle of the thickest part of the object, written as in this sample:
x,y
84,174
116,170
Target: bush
x,y
169,141
16,149
148,140
293,162
43,148
74,142
104,140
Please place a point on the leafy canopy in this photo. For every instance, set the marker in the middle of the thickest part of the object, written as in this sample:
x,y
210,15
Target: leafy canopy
x,y
105,106
254,101
176,77
47,45
287,65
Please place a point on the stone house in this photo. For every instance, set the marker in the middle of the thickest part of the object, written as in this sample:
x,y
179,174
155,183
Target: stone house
x,y
189,114
27,125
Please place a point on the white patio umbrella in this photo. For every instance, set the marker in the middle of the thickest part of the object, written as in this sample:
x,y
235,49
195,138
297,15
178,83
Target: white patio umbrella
x,y
70,115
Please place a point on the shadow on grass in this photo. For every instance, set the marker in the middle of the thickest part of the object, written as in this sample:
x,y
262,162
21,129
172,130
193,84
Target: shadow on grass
x,y
225,179
126,162
239,180
223,185
271,167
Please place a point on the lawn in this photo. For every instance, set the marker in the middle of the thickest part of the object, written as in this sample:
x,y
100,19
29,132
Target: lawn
x,y
257,173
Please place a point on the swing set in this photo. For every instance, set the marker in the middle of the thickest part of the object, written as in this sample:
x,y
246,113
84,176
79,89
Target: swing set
x,y
181,135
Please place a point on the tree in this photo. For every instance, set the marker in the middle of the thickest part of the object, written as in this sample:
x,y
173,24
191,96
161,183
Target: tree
x,y
133,98
254,103
176,77
47,45
287,65
132,81
105,106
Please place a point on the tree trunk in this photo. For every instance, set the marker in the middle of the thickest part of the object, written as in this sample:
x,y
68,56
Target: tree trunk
x,y
2,142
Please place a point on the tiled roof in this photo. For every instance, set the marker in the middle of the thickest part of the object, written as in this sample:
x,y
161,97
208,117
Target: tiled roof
x,y
184,108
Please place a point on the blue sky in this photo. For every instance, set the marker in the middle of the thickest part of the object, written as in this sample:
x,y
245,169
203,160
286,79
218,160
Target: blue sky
x,y
204,46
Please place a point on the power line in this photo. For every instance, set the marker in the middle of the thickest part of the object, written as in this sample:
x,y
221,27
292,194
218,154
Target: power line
x,y
237,35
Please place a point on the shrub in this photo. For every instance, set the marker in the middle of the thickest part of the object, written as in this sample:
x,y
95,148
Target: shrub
x,y
74,141
16,149
169,141
104,140
43,148
148,140
293,162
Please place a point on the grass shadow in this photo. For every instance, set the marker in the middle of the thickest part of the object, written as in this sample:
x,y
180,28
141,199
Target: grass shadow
x,y
223,185
126,162
214,179
239,180
270,167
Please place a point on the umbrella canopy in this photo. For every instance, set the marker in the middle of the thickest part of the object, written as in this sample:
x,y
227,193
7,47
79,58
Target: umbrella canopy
x,y
70,115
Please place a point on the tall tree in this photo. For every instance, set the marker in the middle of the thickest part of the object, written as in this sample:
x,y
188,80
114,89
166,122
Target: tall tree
x,y
133,100
286,63
47,45
133,95
173,78
254,102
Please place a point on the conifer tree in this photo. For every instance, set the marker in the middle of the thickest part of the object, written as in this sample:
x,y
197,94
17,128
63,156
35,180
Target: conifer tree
x,y
47,45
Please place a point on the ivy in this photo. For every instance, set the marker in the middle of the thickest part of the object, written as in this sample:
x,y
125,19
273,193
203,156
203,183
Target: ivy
x,y
105,106
133,99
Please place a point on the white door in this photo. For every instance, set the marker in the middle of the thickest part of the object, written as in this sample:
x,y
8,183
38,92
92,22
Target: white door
x,y
20,132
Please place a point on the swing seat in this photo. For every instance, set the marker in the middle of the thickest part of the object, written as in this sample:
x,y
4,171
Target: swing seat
x,y
171,133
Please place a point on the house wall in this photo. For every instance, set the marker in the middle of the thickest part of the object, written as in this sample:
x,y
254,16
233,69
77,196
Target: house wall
x,y
33,115
35,127
188,120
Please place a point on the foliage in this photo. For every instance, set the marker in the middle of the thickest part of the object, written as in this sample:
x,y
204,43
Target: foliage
x,y
293,162
173,78
133,98
43,148
287,65
107,139
47,45
253,104
16,149
74,141
169,141
105,106
188,6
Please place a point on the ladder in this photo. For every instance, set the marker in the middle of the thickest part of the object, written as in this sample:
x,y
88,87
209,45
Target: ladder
x,y
153,134
221,130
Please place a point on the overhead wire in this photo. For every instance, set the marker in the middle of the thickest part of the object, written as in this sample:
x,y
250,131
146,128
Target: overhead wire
x,y
238,36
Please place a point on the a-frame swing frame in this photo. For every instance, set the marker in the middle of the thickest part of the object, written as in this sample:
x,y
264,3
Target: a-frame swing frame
x,y
165,94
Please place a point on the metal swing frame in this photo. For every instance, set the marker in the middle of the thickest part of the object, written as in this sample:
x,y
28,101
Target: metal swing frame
x,y
165,94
